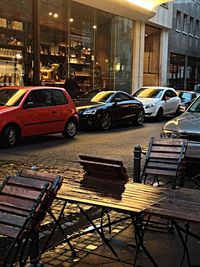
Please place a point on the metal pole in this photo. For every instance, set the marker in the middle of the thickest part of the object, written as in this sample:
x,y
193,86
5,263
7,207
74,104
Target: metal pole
x,y
137,163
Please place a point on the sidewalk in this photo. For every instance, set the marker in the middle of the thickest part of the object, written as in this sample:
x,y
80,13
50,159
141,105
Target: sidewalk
x,y
165,247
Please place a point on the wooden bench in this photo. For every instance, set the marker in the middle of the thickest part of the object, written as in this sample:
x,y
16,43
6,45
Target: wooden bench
x,y
22,209
164,158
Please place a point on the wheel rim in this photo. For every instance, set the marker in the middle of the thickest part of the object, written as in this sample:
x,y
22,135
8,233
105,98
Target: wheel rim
x,y
71,128
106,121
12,137
140,117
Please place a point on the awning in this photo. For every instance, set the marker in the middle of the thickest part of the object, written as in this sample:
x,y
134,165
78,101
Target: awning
x,y
132,9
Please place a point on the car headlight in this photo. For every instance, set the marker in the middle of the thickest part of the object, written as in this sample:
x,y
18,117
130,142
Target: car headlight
x,y
89,112
150,105
169,134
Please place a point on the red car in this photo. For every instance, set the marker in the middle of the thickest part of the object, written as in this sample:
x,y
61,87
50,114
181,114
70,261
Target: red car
x,y
36,110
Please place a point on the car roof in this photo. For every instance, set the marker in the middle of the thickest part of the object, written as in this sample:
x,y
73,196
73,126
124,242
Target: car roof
x,y
157,87
29,88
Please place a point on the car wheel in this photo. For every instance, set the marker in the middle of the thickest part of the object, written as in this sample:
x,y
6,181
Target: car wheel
x,y
10,136
70,129
159,116
140,117
106,121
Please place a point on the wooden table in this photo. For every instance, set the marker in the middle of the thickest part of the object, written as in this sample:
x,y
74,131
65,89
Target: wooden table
x,y
180,205
131,198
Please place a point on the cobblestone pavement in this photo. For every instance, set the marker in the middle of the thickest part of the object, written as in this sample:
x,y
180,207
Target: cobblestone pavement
x,y
90,251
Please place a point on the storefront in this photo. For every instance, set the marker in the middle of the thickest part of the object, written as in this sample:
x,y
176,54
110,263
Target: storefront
x,y
45,41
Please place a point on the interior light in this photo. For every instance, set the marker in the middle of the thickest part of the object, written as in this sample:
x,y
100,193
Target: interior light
x,y
50,13
55,15
71,20
94,27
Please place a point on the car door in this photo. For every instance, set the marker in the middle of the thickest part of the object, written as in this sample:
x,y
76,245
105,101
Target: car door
x,y
170,104
39,115
125,107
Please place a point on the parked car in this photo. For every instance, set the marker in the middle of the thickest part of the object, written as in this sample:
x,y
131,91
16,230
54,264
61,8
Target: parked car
x,y
187,97
158,101
187,125
108,108
28,111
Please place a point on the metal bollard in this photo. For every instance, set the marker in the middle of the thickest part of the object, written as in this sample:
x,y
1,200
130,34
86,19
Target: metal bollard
x,y
137,163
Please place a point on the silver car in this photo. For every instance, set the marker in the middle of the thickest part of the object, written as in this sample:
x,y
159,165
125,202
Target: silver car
x,y
187,125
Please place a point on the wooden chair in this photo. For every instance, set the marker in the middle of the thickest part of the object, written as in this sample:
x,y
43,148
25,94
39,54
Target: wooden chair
x,y
21,212
55,182
103,167
164,158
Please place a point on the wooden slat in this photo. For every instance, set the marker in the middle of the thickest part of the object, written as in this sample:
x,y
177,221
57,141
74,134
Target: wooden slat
x,y
169,141
20,192
9,230
38,175
171,149
160,172
26,182
100,159
13,201
12,219
13,210
165,166
163,155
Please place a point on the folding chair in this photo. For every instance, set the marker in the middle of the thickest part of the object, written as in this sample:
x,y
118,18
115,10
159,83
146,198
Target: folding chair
x,y
21,213
164,158
55,182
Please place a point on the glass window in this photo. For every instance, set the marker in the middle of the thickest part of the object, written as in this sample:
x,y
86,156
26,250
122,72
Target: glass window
x,y
197,29
15,42
191,30
185,23
178,20
58,98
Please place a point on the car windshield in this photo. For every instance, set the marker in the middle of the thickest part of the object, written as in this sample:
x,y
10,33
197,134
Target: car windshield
x,y
195,107
149,93
184,95
11,97
102,96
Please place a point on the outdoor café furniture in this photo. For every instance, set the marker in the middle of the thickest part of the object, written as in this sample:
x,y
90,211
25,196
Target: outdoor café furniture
x,y
21,213
164,159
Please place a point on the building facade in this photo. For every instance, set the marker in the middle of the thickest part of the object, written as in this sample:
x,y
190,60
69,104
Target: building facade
x,y
184,45
105,44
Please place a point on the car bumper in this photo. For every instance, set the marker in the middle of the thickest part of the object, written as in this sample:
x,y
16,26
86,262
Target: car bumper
x,y
90,121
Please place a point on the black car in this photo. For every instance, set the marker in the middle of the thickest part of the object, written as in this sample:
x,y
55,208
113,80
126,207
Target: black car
x,y
187,97
108,108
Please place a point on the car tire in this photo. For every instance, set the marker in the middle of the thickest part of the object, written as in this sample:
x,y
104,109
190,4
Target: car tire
x,y
140,117
70,129
105,121
159,115
10,136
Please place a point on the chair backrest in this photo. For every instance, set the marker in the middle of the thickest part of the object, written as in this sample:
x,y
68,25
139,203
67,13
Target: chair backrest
x,y
164,157
103,167
54,180
21,210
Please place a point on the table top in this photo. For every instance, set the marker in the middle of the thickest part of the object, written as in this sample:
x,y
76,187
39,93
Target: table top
x,y
115,194
178,204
